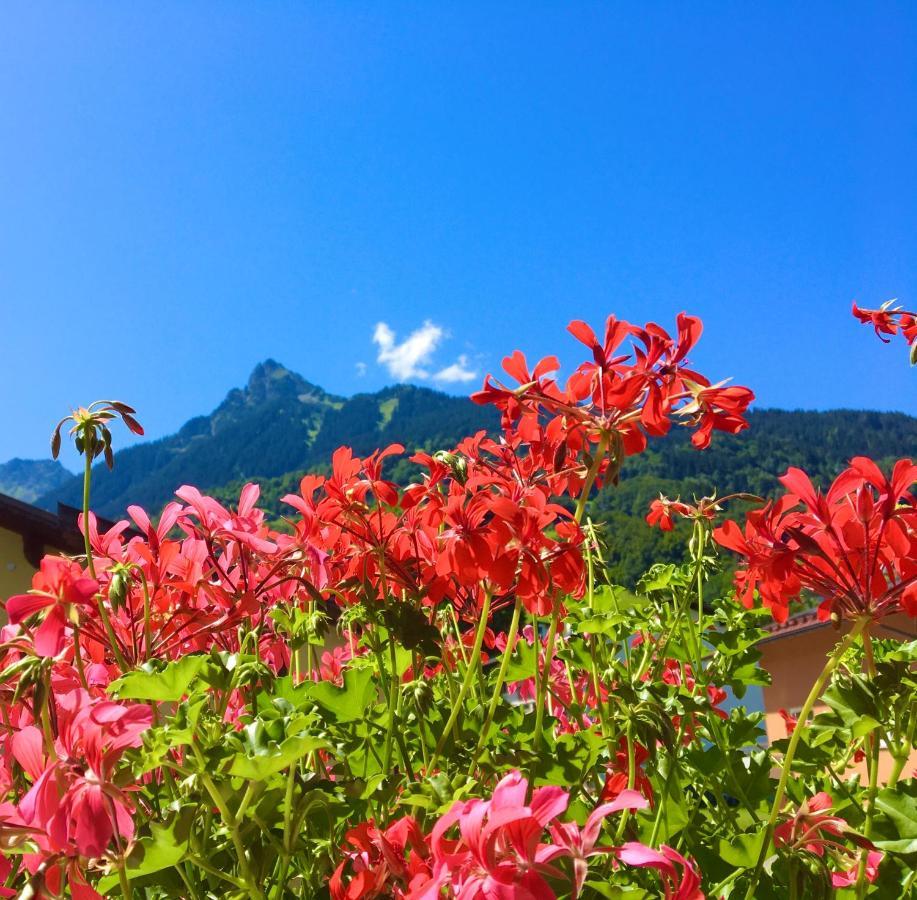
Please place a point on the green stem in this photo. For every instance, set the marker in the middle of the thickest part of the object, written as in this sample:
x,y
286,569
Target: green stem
x,y
147,629
466,682
383,679
87,477
631,778
398,695
187,881
450,687
874,744
78,656
247,798
814,694
423,736
794,880
125,882
909,884
288,808
234,835
593,643
498,687
309,654
45,718
458,634
393,696
112,637
657,821
542,688
287,830
700,536
231,824
213,870
591,474
903,752
716,891
722,743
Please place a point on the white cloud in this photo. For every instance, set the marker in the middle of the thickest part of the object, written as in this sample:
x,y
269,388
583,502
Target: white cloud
x,y
407,359
361,369
458,371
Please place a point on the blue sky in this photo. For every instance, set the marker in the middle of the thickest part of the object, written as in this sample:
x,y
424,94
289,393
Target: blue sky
x,y
189,188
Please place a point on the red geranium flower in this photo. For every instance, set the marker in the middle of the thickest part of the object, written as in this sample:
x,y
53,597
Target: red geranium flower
x,y
854,546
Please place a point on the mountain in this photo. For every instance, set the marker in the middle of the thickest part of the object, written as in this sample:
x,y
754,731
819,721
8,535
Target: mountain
x,y
278,423
29,479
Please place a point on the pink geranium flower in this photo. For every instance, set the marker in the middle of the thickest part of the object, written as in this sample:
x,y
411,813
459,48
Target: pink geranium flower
x,y
680,878
56,586
580,843
74,802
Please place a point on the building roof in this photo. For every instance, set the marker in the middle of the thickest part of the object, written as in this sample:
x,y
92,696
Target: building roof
x,y
41,529
797,624
809,621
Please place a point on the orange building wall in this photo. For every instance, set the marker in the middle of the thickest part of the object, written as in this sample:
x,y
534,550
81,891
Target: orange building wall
x,y
794,662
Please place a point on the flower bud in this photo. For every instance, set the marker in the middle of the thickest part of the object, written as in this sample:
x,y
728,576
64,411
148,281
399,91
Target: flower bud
x,y
456,463
422,693
117,590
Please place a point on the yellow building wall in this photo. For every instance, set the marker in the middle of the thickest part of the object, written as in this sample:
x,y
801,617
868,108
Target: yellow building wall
x,y
15,570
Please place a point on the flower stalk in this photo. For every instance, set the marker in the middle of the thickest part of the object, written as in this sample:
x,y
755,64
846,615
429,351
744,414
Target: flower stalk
x,y
817,689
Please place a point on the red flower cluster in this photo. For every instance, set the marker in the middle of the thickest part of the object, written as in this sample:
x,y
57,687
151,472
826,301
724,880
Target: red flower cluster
x,y
617,773
815,829
502,848
382,863
485,525
855,546
477,524
622,395
889,320
664,511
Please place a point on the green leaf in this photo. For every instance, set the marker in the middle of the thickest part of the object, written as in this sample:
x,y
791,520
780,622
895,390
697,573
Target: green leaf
x,y
742,851
420,800
411,628
614,598
674,814
522,663
275,757
163,850
658,578
167,684
854,702
612,892
901,810
904,652
349,703
601,624
573,756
